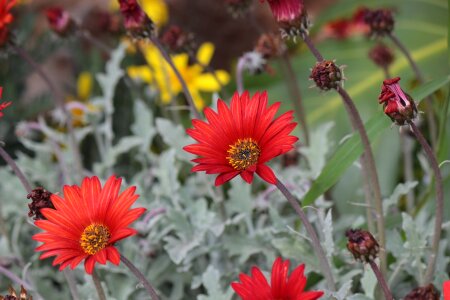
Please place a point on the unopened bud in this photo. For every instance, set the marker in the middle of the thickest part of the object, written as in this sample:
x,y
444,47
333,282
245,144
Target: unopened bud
x,y
326,75
362,245
60,21
380,21
137,23
381,55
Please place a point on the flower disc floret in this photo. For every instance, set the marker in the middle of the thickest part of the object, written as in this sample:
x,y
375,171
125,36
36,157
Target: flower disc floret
x,y
241,139
94,238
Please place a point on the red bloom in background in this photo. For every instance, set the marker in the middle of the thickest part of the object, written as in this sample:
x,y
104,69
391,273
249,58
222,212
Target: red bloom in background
x,y
5,19
3,105
282,286
397,104
240,139
286,10
446,290
59,20
87,223
344,28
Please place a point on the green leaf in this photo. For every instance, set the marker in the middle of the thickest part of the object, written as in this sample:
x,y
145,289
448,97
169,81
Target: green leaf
x,y
349,151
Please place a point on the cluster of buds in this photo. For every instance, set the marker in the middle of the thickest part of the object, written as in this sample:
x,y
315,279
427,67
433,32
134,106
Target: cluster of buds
x,y
60,21
238,8
3,105
398,105
362,245
40,198
136,21
12,294
380,21
291,17
179,41
6,18
381,55
327,75
428,292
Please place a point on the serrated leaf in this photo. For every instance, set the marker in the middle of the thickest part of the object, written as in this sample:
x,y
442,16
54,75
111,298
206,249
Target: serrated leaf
x,y
342,293
400,189
328,234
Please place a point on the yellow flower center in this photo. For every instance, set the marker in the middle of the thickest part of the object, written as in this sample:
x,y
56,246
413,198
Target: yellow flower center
x,y
243,154
94,238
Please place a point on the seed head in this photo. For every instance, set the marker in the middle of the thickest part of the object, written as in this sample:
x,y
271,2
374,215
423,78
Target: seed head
x,y
428,292
40,199
326,75
178,41
362,245
12,294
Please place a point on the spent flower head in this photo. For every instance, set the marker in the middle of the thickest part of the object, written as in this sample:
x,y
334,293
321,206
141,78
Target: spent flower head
x,y
381,21
241,139
282,285
136,21
362,245
398,105
12,294
381,55
40,198
178,40
428,292
87,222
327,75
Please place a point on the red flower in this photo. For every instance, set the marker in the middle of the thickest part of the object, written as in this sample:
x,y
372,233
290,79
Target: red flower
x,y
239,140
137,23
4,104
87,223
344,28
286,10
397,104
59,20
282,286
5,18
446,290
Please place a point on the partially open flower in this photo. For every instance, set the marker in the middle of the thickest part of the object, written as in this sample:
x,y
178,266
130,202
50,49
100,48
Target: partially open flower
x,y
40,198
137,23
3,105
60,21
381,55
282,285
6,18
326,75
398,105
428,292
178,41
12,294
380,21
362,245
290,15
238,8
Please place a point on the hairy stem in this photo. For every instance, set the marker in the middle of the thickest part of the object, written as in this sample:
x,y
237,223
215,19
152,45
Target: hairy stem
x,y
312,47
381,281
8,159
151,291
439,202
296,96
428,101
371,170
186,92
98,286
315,242
59,99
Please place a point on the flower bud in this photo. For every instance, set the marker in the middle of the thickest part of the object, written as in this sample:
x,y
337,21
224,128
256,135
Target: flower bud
x,y
290,15
398,105
137,23
381,55
380,21
326,75
362,245
178,41
40,199
60,21
428,292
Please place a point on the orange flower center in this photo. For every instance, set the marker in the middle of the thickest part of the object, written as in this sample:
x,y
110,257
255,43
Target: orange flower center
x,y
94,238
243,154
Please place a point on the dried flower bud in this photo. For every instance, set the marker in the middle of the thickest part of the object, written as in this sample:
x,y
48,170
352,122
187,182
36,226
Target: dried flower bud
x,y
428,292
12,295
40,199
270,45
398,105
362,245
179,41
136,21
326,75
238,8
60,21
380,21
381,55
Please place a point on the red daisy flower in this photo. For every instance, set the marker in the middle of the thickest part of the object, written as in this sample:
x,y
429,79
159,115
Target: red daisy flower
x,y
87,223
282,286
5,18
240,139
446,290
286,10
4,104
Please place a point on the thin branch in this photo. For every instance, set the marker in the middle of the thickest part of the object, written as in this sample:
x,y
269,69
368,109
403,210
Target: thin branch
x,y
8,159
151,291
381,280
98,286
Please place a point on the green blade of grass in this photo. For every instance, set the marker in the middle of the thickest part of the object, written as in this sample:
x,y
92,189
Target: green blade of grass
x,y
351,149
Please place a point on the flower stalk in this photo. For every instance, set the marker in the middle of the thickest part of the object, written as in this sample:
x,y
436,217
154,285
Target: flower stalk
x,y
8,159
315,242
151,291
381,280
98,286
439,209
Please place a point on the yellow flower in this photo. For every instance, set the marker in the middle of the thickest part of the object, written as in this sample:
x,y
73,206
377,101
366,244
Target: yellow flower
x,y
84,85
160,74
156,10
